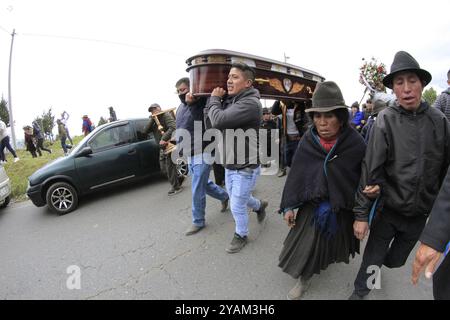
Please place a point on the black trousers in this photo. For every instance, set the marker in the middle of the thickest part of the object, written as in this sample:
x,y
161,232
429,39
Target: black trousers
x,y
289,151
169,169
441,280
5,144
40,146
219,174
392,238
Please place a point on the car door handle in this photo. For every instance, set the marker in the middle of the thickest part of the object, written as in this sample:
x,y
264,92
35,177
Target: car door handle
x,y
132,152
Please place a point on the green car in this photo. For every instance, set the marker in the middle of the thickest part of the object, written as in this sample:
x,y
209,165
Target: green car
x,y
112,154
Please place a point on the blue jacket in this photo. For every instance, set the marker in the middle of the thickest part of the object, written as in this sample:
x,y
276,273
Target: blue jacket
x,y
187,118
357,118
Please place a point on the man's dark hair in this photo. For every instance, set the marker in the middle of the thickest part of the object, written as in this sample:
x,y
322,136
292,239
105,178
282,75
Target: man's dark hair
x,y
248,71
184,80
448,75
341,114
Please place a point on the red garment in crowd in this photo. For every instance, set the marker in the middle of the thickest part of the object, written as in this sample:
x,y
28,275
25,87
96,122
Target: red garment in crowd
x,y
327,144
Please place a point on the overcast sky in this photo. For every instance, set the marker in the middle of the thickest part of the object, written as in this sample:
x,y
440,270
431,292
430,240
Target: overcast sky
x,y
84,56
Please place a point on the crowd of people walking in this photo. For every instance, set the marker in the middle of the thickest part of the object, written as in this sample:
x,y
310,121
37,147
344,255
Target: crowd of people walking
x,y
379,173
348,172
34,136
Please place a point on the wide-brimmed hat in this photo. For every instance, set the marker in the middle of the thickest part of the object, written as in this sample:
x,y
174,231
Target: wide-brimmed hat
x,y
327,97
403,61
378,106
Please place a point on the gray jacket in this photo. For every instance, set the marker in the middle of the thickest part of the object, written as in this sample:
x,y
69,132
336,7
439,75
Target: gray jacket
x,y
443,103
407,155
37,132
243,111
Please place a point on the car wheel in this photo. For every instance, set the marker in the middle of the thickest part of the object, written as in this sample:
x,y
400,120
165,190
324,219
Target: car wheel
x,y
62,198
182,168
5,204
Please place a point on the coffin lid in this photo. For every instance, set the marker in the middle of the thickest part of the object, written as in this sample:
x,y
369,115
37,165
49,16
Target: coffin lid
x,y
253,61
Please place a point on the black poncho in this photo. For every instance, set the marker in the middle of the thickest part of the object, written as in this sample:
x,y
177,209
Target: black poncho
x,y
317,175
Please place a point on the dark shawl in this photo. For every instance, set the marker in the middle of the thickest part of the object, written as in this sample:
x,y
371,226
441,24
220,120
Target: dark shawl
x,y
311,180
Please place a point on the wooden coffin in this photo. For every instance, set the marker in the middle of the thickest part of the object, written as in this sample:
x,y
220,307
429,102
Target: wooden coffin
x,y
274,79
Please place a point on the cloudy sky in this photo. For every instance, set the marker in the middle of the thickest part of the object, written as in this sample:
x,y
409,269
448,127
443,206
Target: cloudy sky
x,y
84,56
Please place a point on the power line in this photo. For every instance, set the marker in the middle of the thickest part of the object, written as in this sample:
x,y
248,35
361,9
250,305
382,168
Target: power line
x,y
99,41
8,32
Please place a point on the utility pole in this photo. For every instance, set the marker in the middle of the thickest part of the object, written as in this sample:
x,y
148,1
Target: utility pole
x,y
286,57
11,119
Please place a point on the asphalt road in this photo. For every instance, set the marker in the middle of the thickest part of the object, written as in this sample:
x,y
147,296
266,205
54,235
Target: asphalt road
x,y
130,244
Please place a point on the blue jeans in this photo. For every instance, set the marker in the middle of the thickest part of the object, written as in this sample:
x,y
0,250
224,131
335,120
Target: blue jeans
x,y
64,146
202,186
240,184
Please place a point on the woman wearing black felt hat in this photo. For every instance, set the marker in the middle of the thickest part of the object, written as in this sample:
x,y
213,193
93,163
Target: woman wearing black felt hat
x,y
318,196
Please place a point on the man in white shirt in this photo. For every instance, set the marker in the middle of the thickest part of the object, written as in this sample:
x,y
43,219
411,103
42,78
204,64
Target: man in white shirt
x,y
4,142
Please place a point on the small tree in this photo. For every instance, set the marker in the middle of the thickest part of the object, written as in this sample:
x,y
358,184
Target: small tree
x,y
4,112
46,121
102,121
430,95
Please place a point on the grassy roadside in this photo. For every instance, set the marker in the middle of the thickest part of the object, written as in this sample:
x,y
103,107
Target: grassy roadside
x,y
18,172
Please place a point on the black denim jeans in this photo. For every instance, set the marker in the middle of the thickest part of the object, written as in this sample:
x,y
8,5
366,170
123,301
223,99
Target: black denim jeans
x,y
391,239
5,143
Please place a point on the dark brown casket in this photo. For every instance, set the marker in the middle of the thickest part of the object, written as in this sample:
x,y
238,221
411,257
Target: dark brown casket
x,y
274,80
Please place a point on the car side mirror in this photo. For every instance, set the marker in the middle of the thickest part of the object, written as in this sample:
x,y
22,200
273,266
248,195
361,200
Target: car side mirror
x,y
84,152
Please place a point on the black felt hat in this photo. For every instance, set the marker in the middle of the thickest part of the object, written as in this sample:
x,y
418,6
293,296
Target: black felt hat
x,y
327,97
403,61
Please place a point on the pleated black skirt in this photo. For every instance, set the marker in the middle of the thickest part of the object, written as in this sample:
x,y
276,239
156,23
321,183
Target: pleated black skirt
x,y
306,251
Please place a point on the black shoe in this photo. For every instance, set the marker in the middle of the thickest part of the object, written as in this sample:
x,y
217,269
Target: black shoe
x,y
237,244
355,296
175,191
282,173
224,205
261,213
193,230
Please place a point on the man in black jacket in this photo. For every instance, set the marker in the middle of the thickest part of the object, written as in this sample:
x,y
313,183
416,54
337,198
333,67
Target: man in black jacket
x,y
405,163
434,239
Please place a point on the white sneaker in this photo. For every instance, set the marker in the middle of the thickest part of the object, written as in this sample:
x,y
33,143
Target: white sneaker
x,y
16,159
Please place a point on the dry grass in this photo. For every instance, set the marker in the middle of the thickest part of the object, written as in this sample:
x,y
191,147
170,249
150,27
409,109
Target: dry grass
x,y
19,171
